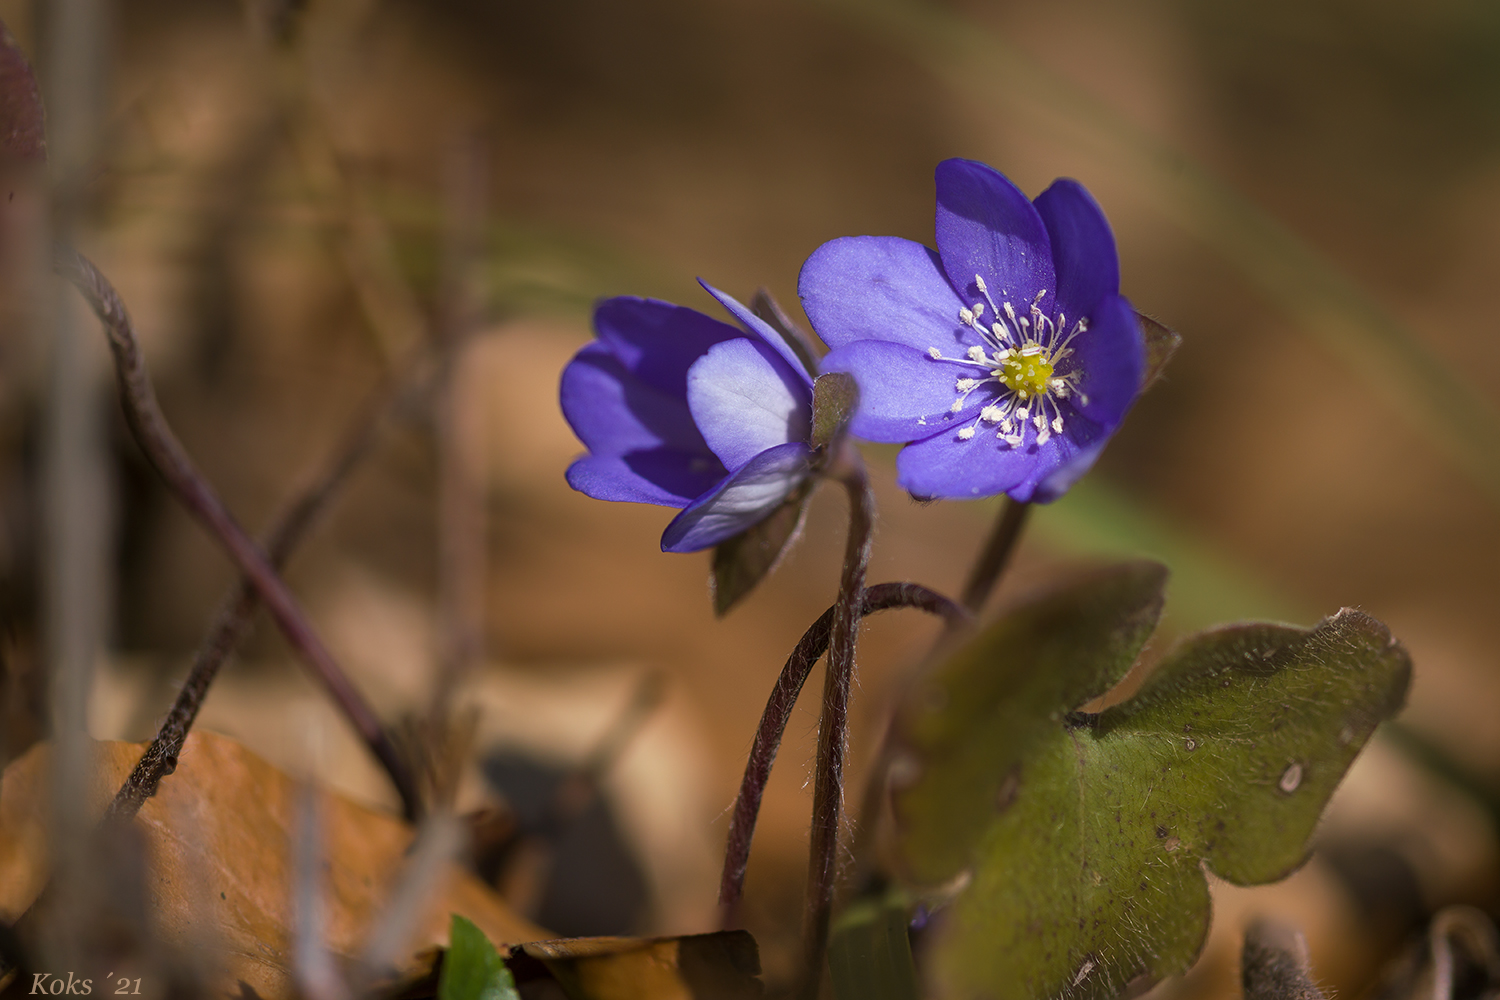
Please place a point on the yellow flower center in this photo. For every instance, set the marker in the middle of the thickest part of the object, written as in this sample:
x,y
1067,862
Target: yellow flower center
x,y
1027,375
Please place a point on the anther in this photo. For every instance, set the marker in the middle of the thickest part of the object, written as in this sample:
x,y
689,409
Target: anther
x,y
965,317
965,433
976,353
978,309
965,384
934,353
1057,424
980,282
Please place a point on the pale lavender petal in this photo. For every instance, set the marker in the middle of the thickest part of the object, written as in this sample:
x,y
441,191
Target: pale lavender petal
x,y
657,341
987,227
1083,247
744,402
1111,355
741,501
761,329
904,394
882,288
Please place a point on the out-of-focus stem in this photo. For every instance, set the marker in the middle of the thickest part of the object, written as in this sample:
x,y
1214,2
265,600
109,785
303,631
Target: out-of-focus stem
x,y
173,464
236,613
778,713
996,554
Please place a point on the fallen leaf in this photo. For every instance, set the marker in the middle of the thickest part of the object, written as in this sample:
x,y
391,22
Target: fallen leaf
x,y
720,966
218,836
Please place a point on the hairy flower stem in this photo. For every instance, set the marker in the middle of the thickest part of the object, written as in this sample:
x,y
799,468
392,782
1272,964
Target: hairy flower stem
x,y
996,554
236,612
833,723
778,713
171,461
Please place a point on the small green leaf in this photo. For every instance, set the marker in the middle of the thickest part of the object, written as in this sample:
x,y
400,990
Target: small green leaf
x,y
869,950
801,344
834,399
744,560
473,969
1080,840
1161,343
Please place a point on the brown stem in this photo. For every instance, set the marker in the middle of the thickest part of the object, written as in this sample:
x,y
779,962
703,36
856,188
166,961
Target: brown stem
x,y
236,613
778,713
833,723
997,552
171,461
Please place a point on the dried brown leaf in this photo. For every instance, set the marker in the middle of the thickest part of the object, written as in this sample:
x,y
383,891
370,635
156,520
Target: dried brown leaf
x,y
218,835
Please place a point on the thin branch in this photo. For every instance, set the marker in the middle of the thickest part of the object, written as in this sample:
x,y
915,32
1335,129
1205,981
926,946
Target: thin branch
x,y
235,616
778,713
171,461
996,554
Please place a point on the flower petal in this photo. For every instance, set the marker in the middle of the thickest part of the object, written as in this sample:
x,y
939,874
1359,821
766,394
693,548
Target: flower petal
x,y
744,402
880,288
1112,357
657,341
1083,247
741,500
613,412
659,476
986,226
904,395
944,466
761,329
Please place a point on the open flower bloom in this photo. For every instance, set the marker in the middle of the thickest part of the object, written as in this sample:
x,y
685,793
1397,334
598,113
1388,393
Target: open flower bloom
x,y
679,409
1005,359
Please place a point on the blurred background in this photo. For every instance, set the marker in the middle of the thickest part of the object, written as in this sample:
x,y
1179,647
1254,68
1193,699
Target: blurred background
x,y
293,200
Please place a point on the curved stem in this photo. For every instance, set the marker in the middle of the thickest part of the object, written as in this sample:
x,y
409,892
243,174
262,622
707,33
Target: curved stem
x,y
171,461
996,554
778,713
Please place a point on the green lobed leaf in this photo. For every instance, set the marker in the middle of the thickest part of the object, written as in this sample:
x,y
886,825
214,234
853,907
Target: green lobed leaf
x,y
472,968
741,562
1080,840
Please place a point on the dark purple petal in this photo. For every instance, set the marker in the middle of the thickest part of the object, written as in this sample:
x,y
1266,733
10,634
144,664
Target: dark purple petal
x,y
741,501
613,412
1111,355
657,341
658,475
881,288
645,448
904,394
744,401
761,329
944,466
986,226
1083,248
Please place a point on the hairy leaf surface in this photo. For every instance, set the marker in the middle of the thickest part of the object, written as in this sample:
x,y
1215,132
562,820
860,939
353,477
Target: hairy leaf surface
x,y
1081,840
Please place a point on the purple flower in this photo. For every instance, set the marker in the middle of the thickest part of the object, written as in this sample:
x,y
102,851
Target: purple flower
x,y
1005,359
679,409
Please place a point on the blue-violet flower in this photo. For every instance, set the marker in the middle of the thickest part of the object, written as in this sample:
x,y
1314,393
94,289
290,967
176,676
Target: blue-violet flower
x,y
679,409
1005,359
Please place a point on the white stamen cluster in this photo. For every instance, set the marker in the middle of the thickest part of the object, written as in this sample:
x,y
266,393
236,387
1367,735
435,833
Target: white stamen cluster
x,y
1020,354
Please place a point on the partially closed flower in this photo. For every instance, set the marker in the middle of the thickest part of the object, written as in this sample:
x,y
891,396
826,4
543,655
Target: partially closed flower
x,y
679,409
1005,359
